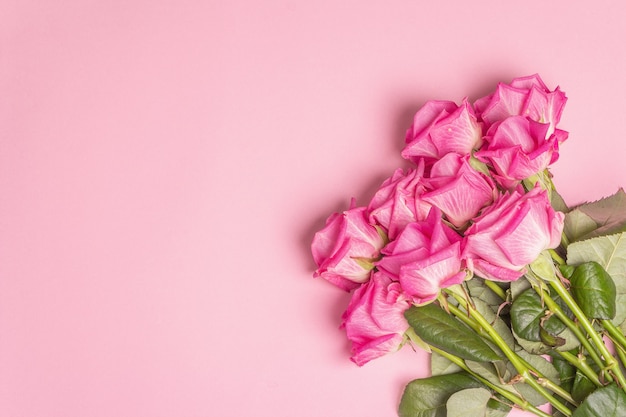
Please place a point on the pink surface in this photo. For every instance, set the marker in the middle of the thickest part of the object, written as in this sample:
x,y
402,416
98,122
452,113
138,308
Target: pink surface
x,y
164,164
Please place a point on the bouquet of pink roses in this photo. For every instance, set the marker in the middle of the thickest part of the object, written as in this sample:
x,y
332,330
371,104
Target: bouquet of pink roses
x,y
472,255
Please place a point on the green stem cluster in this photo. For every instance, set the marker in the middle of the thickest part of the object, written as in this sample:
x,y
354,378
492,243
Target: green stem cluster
x,y
608,361
525,372
515,399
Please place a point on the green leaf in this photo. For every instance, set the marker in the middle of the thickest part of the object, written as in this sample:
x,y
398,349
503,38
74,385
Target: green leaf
x,y
567,270
535,348
427,397
609,213
519,286
540,348
494,372
550,339
582,387
609,401
497,323
594,291
439,365
471,402
544,367
610,253
543,267
498,406
557,201
567,371
527,317
540,363
577,224
478,290
501,374
437,328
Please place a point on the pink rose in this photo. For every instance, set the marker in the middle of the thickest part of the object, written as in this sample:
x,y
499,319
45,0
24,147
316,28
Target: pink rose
x,y
458,190
374,320
525,96
512,233
346,248
425,257
398,203
442,127
518,147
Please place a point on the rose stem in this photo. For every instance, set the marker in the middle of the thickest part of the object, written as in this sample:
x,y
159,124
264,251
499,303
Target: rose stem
x,y
555,309
556,257
615,333
496,288
516,361
621,354
546,382
582,366
520,402
611,362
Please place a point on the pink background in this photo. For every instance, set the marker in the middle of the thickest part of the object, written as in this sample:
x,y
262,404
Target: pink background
x,y
164,165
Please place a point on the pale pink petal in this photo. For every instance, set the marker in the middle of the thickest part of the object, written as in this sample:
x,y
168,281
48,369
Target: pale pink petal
x,y
507,101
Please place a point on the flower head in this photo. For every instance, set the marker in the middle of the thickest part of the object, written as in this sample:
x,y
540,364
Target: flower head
x,y
442,127
345,249
524,96
398,202
425,258
511,234
374,320
518,147
457,189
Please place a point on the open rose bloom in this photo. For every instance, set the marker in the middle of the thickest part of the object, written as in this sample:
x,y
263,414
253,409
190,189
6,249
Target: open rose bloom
x,y
473,206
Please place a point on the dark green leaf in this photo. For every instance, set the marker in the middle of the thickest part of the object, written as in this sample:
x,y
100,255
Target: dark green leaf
x,y
567,371
540,348
567,270
582,387
427,397
609,401
610,252
594,291
498,406
527,317
437,328
550,339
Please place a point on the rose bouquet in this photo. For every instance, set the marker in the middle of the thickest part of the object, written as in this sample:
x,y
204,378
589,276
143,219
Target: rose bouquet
x,y
472,255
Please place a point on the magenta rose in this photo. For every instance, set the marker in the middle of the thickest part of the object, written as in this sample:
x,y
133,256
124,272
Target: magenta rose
x,y
374,320
425,257
511,234
458,190
442,127
398,201
525,96
346,248
519,147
